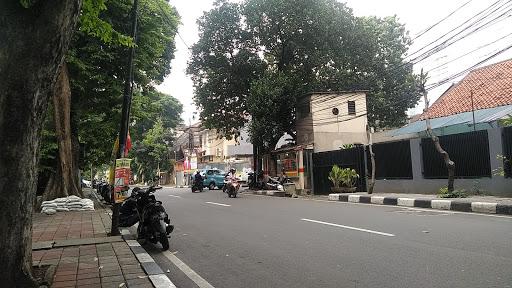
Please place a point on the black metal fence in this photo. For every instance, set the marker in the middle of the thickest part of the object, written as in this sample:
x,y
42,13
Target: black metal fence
x,y
347,158
506,135
469,151
392,160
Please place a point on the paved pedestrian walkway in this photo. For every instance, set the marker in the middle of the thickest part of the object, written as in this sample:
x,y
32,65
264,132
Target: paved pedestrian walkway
x,y
85,256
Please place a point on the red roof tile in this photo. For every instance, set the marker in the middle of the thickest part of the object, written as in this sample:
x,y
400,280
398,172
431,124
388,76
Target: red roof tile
x,y
491,87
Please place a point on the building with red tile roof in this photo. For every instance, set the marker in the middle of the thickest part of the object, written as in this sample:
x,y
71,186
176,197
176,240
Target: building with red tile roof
x,y
488,87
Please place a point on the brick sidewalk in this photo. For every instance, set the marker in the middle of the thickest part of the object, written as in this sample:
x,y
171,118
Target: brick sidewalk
x,y
101,265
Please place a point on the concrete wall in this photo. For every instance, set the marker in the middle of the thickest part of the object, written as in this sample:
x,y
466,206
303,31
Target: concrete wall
x,y
497,185
328,131
328,141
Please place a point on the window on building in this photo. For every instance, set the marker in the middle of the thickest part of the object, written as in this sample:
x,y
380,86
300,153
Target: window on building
x,y
351,107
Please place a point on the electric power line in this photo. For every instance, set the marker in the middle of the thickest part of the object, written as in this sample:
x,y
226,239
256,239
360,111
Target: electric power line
x,y
440,21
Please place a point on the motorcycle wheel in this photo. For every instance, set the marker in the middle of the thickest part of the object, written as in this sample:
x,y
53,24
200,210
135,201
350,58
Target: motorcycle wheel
x,y
164,241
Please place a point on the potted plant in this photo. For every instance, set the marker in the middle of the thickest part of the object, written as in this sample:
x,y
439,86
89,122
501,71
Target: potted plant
x,y
336,178
348,179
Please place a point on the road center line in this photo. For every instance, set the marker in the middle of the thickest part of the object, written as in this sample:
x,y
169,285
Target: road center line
x,y
348,227
220,204
175,196
187,270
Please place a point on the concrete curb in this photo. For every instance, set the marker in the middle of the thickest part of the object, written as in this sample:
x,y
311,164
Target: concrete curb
x,y
155,273
269,193
442,204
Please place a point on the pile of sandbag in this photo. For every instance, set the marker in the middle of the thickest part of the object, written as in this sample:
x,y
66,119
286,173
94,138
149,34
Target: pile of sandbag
x,y
70,203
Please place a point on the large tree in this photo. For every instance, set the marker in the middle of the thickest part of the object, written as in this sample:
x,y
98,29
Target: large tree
x,y
35,37
319,45
97,61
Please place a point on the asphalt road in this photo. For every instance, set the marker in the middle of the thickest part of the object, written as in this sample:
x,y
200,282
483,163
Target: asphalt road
x,y
261,241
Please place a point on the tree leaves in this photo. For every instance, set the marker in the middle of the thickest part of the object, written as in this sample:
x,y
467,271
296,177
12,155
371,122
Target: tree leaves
x,y
318,44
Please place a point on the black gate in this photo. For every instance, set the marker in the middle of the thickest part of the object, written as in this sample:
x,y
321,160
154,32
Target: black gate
x,y
469,151
392,160
347,158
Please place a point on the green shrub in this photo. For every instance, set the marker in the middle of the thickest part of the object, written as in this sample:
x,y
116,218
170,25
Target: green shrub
x,y
457,193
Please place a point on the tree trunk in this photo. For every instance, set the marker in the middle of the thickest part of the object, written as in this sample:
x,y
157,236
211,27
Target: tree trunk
x,y
369,133
65,181
34,42
450,165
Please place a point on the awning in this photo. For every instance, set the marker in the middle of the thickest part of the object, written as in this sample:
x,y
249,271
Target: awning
x,y
459,122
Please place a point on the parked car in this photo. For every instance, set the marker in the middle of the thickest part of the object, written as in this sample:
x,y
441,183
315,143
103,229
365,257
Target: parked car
x,y
213,178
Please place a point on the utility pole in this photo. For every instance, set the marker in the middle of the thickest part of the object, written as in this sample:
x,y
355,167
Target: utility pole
x,y
125,116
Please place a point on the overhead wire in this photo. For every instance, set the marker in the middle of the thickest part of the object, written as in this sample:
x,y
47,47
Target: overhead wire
x,y
440,21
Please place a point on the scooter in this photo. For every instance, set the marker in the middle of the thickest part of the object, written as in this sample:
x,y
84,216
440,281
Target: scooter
x,y
197,186
142,207
232,186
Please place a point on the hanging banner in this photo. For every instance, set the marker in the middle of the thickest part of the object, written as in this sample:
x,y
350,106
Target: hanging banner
x,y
122,179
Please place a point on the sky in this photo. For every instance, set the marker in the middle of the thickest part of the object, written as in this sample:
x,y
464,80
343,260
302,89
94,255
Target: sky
x,y
416,15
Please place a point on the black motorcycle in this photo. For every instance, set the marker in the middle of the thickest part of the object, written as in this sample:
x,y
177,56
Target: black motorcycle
x,y
255,180
142,207
197,185
105,190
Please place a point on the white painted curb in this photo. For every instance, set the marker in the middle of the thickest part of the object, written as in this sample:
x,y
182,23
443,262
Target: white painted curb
x,y
441,204
161,281
334,197
353,198
483,207
409,202
377,200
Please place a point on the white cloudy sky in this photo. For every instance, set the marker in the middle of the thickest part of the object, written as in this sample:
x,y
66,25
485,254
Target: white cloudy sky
x,y
415,14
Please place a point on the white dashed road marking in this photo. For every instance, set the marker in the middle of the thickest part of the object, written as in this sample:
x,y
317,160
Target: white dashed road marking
x,y
220,204
175,196
348,227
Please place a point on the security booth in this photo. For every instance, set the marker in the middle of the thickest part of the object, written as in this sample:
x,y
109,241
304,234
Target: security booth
x,y
294,162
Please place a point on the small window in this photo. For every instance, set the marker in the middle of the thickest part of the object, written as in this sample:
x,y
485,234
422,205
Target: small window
x,y
351,107
210,172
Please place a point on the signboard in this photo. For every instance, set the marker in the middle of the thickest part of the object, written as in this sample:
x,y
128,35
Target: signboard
x,y
193,163
122,179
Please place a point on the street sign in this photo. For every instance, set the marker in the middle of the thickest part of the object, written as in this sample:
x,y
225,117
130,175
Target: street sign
x,y
122,179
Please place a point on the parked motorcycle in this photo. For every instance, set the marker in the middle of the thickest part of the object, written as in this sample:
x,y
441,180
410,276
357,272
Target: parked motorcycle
x,y
274,183
105,190
232,186
255,180
142,207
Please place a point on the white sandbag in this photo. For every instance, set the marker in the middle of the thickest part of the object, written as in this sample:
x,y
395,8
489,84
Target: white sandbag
x,y
47,203
50,211
62,209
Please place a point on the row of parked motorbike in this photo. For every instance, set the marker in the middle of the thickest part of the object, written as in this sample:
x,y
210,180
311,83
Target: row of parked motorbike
x,y
142,207
256,181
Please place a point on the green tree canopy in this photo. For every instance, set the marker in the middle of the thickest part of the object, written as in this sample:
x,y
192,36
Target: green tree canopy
x,y
319,45
98,69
